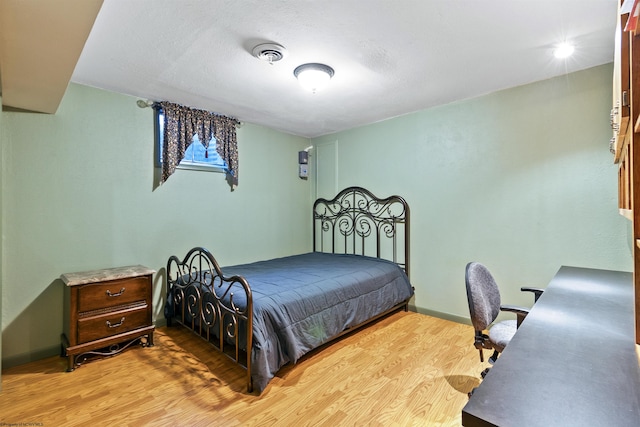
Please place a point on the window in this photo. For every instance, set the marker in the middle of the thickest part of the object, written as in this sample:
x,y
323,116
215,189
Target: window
x,y
180,125
196,157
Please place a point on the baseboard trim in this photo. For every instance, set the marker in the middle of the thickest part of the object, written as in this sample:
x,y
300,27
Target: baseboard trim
x,y
441,315
21,359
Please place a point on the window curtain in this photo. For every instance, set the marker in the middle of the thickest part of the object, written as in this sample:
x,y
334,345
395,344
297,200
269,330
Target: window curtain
x,y
182,123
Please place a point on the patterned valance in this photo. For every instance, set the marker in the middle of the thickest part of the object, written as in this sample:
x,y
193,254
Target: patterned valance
x,y
182,123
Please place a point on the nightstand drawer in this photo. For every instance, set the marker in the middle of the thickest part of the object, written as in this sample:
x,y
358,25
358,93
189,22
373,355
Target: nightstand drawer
x,y
113,293
112,323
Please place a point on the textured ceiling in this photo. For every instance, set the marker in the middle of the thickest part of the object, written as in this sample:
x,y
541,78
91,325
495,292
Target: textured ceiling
x,y
391,57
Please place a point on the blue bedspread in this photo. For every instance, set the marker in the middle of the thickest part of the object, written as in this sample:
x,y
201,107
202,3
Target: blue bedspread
x,y
302,301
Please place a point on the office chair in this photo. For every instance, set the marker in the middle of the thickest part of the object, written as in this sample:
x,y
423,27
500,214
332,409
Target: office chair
x,y
484,306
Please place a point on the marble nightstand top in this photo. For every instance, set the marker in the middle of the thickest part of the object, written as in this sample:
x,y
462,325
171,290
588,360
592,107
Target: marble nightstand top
x,y
94,276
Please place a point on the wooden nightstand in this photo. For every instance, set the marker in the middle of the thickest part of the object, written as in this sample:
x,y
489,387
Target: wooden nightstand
x,y
106,311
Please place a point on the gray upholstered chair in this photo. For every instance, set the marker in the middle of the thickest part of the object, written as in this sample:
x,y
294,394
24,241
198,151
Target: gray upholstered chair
x,y
484,306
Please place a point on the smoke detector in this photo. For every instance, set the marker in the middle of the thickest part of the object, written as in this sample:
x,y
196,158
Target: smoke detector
x,y
269,52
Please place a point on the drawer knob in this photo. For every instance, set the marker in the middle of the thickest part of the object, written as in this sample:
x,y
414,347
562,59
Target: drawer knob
x,y
115,325
109,294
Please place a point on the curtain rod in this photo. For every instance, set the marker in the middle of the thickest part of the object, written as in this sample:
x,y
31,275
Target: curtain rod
x,y
142,103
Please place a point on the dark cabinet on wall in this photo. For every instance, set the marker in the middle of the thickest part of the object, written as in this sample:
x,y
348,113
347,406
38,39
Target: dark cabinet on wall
x,y
625,143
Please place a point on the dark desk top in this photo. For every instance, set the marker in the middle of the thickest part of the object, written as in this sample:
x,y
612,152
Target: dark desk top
x,y
573,361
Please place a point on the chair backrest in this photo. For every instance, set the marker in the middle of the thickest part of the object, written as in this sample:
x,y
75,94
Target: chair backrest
x,y
482,294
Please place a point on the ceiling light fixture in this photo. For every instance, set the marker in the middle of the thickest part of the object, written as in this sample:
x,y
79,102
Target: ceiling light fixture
x,y
313,76
563,50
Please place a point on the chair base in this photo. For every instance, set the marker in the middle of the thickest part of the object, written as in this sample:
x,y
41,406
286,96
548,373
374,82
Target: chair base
x,y
482,374
485,372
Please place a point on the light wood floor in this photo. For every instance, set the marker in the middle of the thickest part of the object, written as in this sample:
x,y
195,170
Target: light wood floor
x,y
406,369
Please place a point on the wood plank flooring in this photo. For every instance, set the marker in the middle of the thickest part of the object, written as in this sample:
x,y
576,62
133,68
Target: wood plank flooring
x,y
406,369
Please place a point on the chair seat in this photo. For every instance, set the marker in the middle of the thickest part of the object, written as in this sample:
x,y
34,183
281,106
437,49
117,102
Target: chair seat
x,y
501,333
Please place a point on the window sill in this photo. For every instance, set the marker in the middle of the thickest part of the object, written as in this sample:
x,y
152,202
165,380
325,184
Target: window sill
x,y
201,168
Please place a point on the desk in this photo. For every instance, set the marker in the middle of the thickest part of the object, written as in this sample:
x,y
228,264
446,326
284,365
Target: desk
x,y
573,361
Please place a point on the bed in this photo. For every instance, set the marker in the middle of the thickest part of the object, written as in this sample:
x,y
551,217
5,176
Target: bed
x,y
266,314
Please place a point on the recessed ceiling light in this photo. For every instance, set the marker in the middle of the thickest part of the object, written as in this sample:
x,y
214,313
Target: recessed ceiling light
x,y
563,50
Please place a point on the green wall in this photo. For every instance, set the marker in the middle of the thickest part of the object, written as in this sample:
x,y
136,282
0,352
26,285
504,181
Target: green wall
x,y
521,180
78,194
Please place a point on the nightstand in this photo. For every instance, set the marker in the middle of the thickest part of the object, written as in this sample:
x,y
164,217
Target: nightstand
x,y
106,311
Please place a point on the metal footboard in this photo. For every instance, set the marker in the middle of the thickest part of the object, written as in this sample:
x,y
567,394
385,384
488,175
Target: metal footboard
x,y
218,308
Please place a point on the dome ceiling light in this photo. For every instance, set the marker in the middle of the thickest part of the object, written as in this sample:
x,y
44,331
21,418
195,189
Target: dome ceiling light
x,y
313,76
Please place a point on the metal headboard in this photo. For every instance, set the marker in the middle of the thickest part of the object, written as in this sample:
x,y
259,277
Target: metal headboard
x,y
357,222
